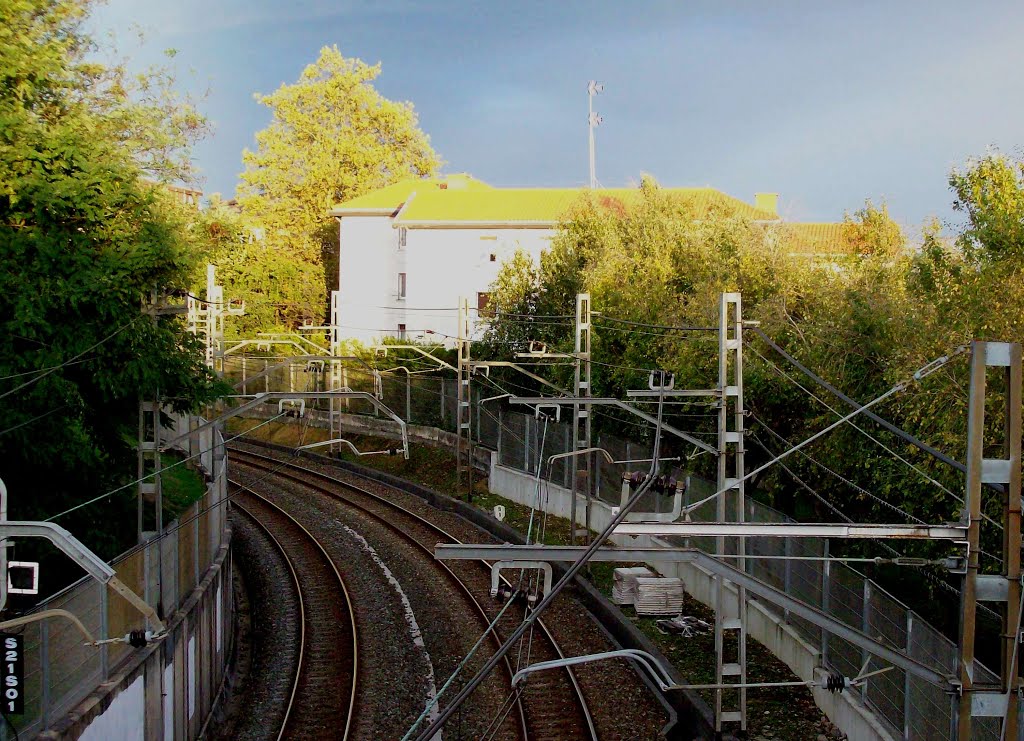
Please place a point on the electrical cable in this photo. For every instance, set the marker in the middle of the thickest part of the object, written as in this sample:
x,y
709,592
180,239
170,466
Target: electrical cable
x,y
921,374
857,488
882,544
567,578
43,370
47,413
905,436
462,664
859,429
150,475
669,327
55,368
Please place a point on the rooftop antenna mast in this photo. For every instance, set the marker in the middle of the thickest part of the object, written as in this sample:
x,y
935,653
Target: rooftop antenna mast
x,y
594,120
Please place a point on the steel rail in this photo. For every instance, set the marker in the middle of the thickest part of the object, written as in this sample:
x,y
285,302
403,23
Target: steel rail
x,y
302,610
584,707
277,470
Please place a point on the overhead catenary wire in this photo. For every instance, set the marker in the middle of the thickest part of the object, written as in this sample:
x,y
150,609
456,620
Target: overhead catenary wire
x,y
667,327
38,417
67,362
929,479
872,438
567,577
458,670
902,434
901,386
151,475
43,370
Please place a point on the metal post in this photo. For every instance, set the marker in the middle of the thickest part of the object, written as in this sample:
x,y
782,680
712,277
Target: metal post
x,y
44,671
730,480
243,374
581,415
787,576
408,397
463,417
593,120
1010,668
977,700
865,625
148,452
907,705
104,633
140,470
826,588
214,298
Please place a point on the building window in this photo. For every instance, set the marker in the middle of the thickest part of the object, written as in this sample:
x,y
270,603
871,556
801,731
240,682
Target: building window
x,y
483,304
401,285
401,331
403,234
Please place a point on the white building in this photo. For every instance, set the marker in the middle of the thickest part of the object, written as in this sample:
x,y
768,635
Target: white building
x,y
410,251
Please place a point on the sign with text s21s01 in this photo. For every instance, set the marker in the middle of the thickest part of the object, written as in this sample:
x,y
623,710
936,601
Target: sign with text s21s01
x,y
12,675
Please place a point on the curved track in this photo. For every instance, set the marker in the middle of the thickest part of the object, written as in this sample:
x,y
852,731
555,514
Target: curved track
x,y
552,705
322,699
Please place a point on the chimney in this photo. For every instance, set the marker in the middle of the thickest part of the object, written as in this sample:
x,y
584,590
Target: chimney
x,y
767,202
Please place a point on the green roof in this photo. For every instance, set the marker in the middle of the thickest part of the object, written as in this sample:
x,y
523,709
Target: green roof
x,y
541,206
387,200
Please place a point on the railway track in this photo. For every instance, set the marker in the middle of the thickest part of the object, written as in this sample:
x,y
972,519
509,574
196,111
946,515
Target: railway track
x,y
321,702
552,704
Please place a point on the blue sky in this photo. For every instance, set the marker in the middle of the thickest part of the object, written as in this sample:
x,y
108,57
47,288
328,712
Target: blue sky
x,y
826,103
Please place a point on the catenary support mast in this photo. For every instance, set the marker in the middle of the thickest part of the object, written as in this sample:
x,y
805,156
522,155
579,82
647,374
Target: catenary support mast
x,y
730,611
978,700
584,478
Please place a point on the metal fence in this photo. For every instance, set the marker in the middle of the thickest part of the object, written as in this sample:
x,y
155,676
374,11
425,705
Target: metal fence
x,y
60,670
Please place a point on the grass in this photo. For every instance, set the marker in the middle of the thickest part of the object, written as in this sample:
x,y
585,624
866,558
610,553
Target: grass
x,y
782,713
181,485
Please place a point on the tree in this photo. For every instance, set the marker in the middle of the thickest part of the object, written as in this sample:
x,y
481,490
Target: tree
x,y
84,239
871,231
333,137
990,192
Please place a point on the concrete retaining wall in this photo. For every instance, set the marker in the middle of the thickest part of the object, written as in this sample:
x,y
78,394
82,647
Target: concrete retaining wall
x,y
167,689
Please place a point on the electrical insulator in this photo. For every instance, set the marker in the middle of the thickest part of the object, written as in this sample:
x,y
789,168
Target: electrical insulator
x,y
636,478
835,682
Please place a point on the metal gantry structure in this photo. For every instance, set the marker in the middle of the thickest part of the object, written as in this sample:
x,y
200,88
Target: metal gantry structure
x,y
730,530
464,400
205,318
730,612
977,700
581,424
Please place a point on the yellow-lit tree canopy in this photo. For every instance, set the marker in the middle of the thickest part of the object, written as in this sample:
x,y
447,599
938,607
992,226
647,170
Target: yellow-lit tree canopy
x,y
332,137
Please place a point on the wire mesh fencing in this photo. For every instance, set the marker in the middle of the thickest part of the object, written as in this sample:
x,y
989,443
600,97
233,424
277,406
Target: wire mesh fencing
x,y
909,707
60,668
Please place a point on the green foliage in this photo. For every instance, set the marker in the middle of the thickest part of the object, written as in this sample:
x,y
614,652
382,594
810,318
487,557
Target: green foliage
x,y
990,193
864,323
83,240
333,137
872,232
